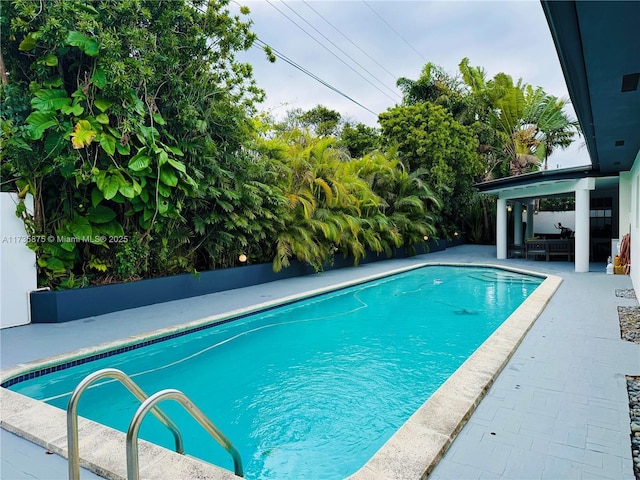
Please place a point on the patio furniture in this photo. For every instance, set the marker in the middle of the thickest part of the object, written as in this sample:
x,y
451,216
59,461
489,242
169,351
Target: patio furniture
x,y
552,247
516,250
562,247
535,247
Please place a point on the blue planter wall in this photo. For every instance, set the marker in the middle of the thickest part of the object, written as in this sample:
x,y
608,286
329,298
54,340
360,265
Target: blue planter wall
x,y
66,305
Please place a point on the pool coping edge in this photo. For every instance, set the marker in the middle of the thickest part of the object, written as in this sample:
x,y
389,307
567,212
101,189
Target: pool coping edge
x,y
418,445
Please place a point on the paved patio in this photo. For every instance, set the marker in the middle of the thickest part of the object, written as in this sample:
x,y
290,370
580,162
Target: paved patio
x,y
559,409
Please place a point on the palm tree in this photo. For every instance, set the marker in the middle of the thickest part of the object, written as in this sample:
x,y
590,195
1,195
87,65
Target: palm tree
x,y
494,105
553,127
544,126
528,123
326,201
409,207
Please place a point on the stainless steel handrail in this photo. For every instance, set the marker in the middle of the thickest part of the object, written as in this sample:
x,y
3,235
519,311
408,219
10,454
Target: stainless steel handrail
x,y
72,415
133,464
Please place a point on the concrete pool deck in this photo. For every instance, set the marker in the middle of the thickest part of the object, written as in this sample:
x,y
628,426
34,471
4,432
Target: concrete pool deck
x,y
558,410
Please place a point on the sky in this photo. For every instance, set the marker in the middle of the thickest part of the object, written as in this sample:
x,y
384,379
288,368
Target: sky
x,y
362,47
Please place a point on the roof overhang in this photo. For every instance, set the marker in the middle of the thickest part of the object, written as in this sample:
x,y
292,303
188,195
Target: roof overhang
x,y
597,45
548,183
545,189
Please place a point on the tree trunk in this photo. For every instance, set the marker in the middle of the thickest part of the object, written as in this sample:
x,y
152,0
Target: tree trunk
x,y
3,72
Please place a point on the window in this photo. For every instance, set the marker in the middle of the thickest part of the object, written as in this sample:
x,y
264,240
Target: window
x,y
600,217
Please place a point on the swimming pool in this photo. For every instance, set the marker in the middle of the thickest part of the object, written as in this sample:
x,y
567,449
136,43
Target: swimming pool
x,y
402,388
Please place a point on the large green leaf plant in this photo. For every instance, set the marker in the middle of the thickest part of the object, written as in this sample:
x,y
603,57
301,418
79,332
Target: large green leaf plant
x,y
121,95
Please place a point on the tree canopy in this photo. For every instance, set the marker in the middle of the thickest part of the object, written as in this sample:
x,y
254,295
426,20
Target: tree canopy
x,y
359,139
427,137
525,124
465,127
517,126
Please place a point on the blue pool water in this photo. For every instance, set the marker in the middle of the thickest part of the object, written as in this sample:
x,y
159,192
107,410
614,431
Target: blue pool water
x,y
314,388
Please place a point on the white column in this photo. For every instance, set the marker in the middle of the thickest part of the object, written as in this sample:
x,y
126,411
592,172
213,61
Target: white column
x,y
582,230
625,202
517,223
501,229
530,212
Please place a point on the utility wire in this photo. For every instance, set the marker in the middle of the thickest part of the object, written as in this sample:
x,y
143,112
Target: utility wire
x,y
341,50
394,30
395,77
327,49
286,59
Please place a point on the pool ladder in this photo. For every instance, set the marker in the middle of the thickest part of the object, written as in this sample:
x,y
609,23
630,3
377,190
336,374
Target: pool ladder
x,y
148,405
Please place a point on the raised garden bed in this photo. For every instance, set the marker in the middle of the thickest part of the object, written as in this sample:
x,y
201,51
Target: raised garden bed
x,y
66,305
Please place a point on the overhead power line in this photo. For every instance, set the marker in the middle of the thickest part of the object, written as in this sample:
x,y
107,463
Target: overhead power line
x,y
332,53
342,51
394,76
294,64
394,30
299,67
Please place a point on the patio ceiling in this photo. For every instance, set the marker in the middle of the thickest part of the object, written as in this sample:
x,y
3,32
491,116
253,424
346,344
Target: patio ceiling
x,y
598,48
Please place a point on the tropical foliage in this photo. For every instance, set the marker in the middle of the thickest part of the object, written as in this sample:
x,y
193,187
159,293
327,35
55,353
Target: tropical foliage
x,y
135,129
427,137
557,204
337,204
137,111
525,124
359,139
515,127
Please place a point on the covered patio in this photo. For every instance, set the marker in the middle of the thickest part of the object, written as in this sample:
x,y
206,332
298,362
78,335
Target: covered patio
x,y
519,194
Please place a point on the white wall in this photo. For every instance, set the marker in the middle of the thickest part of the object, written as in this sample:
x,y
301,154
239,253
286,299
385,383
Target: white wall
x,y
18,274
632,222
543,222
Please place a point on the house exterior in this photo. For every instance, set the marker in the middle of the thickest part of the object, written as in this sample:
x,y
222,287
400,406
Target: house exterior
x,y
599,53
